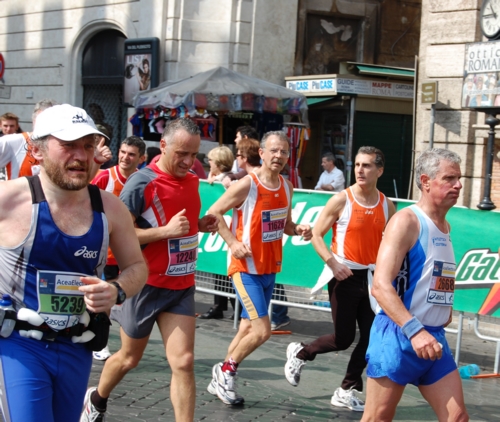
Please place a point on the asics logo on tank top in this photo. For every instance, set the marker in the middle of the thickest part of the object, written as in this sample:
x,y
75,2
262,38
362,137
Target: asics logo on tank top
x,y
368,212
86,253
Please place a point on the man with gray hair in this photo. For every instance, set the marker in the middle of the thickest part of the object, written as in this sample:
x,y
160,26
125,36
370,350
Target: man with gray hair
x,y
332,179
261,203
165,205
414,285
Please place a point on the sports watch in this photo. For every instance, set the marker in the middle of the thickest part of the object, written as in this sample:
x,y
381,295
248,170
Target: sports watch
x,y
120,298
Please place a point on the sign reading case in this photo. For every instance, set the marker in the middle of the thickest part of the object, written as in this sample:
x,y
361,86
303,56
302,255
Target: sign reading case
x,y
141,67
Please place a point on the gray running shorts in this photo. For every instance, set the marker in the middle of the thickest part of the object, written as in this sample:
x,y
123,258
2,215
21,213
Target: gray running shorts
x,y
138,314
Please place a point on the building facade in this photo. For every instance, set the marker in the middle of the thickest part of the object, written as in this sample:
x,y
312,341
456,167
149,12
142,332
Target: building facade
x,y
72,50
447,26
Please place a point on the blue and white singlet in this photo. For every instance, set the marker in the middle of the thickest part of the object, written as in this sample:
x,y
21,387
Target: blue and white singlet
x,y
426,281
42,272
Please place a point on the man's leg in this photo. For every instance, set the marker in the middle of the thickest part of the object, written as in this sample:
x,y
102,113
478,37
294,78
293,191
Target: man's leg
x,y
251,335
344,315
357,362
447,398
118,365
177,332
382,397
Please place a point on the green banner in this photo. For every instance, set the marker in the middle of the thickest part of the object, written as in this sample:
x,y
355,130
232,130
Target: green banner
x,y
475,236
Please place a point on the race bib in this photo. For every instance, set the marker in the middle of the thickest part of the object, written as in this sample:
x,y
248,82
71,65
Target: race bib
x,y
442,287
59,300
182,255
273,224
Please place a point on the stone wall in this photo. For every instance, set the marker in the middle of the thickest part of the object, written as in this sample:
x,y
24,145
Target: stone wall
x,y
43,41
446,26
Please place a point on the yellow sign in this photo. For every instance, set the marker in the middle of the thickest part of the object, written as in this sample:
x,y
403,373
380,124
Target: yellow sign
x,y
429,92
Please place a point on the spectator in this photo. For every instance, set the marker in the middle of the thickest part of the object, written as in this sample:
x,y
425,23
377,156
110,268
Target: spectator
x,y
10,124
332,179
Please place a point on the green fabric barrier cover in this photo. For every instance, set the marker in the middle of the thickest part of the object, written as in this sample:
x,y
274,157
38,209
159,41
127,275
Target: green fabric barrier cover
x,y
475,236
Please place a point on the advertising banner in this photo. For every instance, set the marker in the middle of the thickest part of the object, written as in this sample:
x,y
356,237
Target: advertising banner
x,y
475,235
481,88
140,67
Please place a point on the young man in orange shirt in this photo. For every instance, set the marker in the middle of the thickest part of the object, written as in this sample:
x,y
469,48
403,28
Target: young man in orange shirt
x,y
357,217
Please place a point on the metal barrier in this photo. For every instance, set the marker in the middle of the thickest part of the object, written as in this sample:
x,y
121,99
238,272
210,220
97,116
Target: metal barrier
x,y
458,332
292,296
300,297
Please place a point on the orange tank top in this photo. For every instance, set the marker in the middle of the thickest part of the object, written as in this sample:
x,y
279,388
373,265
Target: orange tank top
x,y
357,234
29,161
259,223
115,185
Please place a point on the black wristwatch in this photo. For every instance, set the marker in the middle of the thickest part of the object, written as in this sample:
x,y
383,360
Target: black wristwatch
x,y
120,298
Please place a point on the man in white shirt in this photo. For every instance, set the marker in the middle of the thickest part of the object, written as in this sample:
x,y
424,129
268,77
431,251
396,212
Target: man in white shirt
x,y
332,179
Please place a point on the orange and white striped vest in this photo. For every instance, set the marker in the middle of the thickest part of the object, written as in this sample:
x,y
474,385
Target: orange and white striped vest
x,y
259,223
357,234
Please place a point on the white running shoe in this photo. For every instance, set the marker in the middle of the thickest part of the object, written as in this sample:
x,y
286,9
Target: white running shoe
x,y
225,386
348,398
293,366
102,354
90,413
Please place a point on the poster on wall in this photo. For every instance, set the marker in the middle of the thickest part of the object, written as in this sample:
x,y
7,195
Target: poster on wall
x,y
140,67
481,86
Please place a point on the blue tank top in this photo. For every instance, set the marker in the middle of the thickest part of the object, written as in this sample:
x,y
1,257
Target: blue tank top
x,y
43,272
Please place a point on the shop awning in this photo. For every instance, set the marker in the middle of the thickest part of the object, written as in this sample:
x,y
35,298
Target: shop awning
x,y
316,100
385,71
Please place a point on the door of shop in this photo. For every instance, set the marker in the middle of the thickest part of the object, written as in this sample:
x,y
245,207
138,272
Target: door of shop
x,y
392,134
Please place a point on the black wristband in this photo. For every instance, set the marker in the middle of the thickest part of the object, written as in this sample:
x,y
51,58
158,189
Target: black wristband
x,y
295,230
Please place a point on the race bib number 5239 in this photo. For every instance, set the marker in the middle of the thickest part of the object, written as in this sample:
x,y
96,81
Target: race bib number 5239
x,y
59,300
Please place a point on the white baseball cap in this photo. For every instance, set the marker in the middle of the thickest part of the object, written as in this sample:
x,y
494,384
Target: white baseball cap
x,y
64,122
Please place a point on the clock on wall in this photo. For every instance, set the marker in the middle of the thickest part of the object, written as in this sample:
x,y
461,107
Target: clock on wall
x,y
490,19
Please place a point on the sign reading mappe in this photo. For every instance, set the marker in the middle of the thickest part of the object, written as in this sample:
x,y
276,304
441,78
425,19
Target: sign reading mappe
x,y
475,235
336,86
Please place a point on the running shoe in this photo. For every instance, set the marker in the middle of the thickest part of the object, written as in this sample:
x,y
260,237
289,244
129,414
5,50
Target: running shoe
x,y
293,366
212,387
277,325
225,385
102,354
90,413
348,398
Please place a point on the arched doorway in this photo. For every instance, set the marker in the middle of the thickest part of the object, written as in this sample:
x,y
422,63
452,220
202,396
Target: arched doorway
x,y
102,80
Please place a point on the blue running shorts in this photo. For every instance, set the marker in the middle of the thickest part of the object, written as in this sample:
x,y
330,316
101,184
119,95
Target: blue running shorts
x,y
43,380
390,354
254,293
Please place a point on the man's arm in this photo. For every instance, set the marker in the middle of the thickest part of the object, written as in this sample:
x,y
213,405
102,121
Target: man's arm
x,y
177,226
291,228
233,197
9,145
102,155
327,218
100,295
400,235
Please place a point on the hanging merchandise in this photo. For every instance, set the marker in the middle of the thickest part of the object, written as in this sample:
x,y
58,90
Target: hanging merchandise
x,y
298,134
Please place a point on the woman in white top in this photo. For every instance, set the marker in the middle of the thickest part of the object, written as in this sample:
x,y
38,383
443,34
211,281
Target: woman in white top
x,y
220,160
